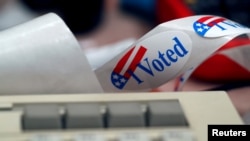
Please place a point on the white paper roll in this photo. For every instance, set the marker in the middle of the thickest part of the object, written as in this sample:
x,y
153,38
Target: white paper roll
x,y
43,56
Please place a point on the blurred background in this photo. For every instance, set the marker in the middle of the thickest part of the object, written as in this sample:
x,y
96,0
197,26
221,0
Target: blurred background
x,y
84,16
122,18
102,23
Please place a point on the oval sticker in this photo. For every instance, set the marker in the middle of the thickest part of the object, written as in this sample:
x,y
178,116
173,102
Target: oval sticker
x,y
152,61
214,26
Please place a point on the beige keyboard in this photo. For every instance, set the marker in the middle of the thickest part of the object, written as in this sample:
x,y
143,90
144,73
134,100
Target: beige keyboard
x,y
161,116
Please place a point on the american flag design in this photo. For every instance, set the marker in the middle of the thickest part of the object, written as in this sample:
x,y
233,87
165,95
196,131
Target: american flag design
x,y
204,24
122,72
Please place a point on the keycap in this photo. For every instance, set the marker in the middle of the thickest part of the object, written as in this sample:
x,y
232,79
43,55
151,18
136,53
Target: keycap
x,y
89,137
166,113
84,115
178,136
45,137
133,136
41,116
125,114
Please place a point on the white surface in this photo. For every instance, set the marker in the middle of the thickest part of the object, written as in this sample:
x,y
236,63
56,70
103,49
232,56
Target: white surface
x,y
43,56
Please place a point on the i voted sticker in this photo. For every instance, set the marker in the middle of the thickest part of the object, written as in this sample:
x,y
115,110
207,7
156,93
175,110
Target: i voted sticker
x,y
214,26
151,62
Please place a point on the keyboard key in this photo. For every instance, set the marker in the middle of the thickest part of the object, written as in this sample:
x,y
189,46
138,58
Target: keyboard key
x,y
89,137
166,113
177,136
41,116
45,137
84,115
133,136
125,114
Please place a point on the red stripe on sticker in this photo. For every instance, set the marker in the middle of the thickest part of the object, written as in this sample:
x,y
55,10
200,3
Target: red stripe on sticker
x,y
135,61
214,22
203,19
118,68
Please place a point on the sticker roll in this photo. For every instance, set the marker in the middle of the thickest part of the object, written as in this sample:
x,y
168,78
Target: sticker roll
x,y
171,50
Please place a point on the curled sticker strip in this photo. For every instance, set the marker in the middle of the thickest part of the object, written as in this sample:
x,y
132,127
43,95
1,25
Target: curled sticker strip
x,y
170,50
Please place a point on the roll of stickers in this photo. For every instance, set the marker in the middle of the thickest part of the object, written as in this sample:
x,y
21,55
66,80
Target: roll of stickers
x,y
228,65
171,50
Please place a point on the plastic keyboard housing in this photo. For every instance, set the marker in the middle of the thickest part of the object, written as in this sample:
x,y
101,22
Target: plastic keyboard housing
x,y
158,116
